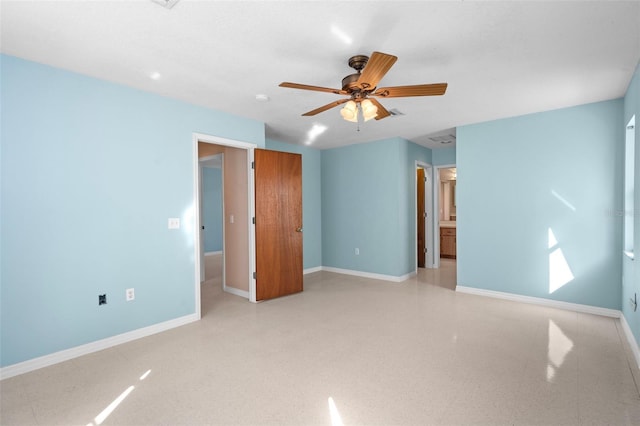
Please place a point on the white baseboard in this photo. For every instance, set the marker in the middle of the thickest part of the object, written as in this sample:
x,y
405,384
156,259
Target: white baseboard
x,y
576,307
631,339
587,309
312,270
382,277
236,291
98,345
213,253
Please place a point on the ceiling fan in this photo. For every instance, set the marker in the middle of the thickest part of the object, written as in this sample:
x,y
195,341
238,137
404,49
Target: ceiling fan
x,y
361,87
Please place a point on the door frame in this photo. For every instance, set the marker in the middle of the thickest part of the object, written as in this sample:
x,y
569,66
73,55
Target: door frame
x,y
429,241
436,211
200,192
249,147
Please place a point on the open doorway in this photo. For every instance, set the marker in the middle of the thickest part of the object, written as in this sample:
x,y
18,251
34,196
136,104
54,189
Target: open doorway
x,y
424,216
236,257
211,229
446,211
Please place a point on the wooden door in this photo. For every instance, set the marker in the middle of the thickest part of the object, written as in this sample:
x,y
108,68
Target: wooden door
x,y
278,186
421,217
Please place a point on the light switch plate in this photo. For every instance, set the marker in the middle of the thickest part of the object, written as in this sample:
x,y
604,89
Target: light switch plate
x,y
130,294
174,223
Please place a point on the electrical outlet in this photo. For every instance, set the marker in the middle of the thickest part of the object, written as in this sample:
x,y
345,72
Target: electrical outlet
x,y
102,299
174,223
130,294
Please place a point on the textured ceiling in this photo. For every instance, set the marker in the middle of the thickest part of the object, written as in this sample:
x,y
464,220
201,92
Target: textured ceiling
x,y
500,59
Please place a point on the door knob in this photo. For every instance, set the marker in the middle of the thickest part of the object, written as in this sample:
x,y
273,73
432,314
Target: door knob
x,y
299,229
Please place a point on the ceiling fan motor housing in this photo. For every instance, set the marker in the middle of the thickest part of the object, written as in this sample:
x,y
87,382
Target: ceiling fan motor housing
x,y
357,62
350,82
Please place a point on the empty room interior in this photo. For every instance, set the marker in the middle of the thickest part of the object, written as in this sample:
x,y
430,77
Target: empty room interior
x,y
319,212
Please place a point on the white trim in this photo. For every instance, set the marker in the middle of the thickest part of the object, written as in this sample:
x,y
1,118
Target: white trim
x,y
216,140
587,309
224,224
98,345
199,207
251,183
312,270
213,253
392,278
236,291
635,349
575,307
197,226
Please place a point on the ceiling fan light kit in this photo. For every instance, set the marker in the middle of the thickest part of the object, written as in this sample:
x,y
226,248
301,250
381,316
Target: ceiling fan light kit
x,y
369,110
350,112
361,87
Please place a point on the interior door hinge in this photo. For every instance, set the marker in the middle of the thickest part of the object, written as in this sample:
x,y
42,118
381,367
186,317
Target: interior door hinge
x,y
253,164
254,275
253,220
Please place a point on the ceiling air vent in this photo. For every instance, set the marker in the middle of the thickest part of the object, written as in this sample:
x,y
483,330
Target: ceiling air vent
x,y
443,139
394,112
166,3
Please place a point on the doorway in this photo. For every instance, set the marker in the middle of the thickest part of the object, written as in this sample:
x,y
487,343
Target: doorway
x,y
424,216
279,176
238,237
212,229
446,213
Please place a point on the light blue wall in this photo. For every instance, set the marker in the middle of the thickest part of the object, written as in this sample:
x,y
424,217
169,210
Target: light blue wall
x,y
520,176
368,202
90,173
631,272
444,156
311,200
212,208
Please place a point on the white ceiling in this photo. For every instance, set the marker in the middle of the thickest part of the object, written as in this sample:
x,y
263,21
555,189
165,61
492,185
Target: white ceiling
x,y
500,59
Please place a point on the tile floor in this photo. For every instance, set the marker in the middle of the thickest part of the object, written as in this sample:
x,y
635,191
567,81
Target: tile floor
x,y
411,353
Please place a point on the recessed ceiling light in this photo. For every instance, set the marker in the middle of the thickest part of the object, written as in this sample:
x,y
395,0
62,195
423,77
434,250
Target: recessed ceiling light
x,y
155,75
262,98
166,3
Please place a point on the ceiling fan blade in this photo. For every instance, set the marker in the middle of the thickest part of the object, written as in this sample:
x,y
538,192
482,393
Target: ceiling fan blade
x,y
377,66
417,90
325,107
314,88
382,111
